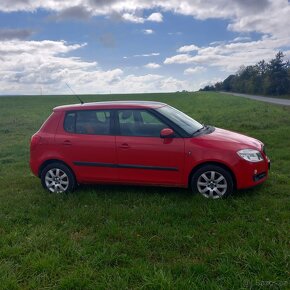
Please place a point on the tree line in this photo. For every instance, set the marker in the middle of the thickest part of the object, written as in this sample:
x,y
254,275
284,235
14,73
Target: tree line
x,y
266,78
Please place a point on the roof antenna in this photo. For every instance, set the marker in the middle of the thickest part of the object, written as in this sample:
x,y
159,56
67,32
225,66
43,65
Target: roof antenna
x,y
82,102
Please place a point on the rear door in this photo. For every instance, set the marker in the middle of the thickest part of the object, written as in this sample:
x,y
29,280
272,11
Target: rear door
x,y
87,144
142,156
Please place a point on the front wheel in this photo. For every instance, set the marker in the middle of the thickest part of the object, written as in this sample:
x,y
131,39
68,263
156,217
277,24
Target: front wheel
x,y
212,181
57,178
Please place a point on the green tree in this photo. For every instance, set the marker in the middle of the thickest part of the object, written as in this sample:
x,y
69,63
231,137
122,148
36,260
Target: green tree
x,y
271,78
277,76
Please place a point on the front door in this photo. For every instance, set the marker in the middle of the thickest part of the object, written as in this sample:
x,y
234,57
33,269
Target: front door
x,y
142,156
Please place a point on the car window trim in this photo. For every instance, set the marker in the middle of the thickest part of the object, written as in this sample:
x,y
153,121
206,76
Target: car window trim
x,y
111,130
154,113
115,126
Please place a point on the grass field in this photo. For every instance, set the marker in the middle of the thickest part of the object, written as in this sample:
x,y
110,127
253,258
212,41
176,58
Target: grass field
x,y
124,237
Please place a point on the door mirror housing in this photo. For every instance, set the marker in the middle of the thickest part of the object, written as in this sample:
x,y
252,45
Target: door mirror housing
x,y
166,133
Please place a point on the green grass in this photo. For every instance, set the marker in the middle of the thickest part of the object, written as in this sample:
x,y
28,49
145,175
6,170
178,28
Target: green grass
x,y
125,237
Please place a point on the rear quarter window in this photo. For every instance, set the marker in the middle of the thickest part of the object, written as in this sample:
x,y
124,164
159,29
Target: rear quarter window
x,y
70,122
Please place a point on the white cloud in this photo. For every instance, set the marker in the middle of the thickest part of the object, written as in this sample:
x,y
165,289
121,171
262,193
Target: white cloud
x,y
229,56
211,82
180,58
152,65
30,66
148,31
45,47
214,43
143,55
263,16
152,83
272,20
148,54
194,70
155,17
188,48
241,38
132,18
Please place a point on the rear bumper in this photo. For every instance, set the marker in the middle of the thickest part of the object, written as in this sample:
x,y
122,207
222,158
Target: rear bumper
x,y
34,168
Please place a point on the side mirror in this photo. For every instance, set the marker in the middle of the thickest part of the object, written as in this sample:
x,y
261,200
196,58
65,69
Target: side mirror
x,y
166,133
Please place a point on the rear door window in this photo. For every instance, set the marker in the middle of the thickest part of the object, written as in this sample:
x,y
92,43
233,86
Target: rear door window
x,y
90,122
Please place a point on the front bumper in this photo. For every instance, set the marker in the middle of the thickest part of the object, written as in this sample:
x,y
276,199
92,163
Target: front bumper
x,y
251,174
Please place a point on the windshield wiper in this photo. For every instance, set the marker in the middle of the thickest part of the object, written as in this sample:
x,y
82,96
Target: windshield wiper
x,y
200,129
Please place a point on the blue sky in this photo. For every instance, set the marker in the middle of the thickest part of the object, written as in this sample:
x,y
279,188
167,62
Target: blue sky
x,y
100,46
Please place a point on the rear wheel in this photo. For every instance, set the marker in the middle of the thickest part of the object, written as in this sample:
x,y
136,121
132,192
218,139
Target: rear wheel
x,y
57,178
212,181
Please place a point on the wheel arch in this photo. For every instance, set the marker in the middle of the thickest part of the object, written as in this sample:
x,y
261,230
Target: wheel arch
x,y
49,161
222,165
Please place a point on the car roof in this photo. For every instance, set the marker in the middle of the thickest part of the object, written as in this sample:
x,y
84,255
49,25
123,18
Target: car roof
x,y
111,105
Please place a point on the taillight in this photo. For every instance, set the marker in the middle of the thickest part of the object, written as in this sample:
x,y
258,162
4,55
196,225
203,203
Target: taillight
x,y
35,140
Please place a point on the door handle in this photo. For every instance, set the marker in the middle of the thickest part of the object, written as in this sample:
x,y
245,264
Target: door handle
x,y
124,146
67,142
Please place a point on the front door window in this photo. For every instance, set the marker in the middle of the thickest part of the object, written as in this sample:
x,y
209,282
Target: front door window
x,y
139,123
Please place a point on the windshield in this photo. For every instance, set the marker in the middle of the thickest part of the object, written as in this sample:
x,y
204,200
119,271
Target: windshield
x,y
188,124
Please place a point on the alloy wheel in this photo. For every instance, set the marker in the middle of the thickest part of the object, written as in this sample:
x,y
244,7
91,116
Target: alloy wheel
x,y
56,180
212,184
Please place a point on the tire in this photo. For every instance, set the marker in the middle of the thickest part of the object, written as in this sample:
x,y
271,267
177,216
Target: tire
x,y
212,181
58,178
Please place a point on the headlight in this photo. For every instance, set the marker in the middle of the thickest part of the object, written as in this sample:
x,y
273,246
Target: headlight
x,y
250,155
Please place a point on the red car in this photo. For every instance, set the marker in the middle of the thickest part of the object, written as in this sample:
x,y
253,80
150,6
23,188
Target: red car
x,y
145,143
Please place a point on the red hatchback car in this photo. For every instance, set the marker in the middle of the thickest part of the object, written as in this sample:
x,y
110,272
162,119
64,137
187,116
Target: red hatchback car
x,y
145,143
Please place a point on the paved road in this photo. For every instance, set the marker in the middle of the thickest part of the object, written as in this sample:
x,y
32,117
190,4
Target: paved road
x,y
283,102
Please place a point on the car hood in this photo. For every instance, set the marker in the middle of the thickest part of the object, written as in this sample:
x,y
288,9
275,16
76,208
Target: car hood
x,y
220,138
